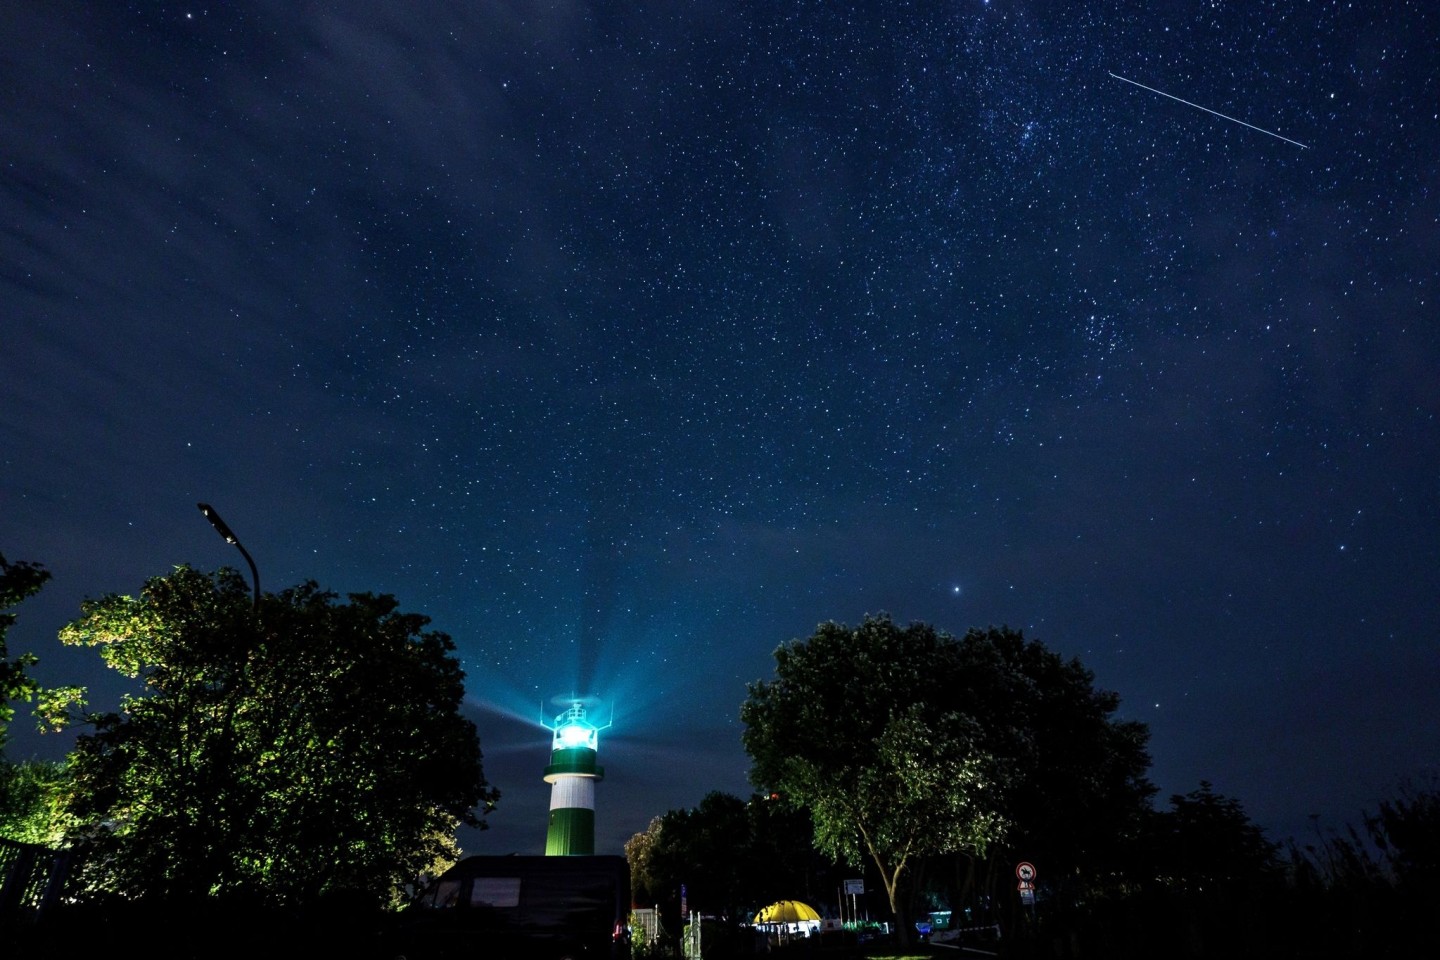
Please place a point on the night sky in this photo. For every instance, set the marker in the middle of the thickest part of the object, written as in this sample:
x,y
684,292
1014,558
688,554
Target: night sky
x,y
630,340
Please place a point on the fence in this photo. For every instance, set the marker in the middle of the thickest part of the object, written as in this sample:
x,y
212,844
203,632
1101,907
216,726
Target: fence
x,y
33,878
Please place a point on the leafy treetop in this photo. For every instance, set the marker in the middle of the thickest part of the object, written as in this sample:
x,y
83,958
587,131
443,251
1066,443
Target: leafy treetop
x,y
906,743
863,726
18,581
306,748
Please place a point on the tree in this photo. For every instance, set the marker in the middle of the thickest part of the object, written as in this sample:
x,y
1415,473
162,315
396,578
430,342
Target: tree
x,y
1077,797
864,727
786,864
708,849
31,793
909,745
1207,843
1406,829
645,886
1372,888
733,856
305,748
17,582
28,790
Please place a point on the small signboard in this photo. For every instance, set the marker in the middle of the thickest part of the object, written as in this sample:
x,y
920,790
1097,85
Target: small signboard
x,y
1025,873
854,888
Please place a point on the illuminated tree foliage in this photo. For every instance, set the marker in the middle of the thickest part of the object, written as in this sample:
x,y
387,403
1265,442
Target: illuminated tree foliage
x,y
27,789
863,727
31,793
645,885
905,743
306,748
17,582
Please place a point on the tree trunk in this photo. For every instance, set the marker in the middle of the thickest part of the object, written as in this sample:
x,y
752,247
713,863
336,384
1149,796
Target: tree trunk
x,y
963,889
898,906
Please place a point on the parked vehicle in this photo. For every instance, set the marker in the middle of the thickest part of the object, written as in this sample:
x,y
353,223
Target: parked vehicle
x,y
522,908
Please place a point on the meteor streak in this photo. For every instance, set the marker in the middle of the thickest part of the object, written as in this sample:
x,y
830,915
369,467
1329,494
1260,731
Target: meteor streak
x,y
1208,110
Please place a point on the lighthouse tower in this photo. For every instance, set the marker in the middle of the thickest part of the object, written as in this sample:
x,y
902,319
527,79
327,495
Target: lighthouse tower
x,y
572,774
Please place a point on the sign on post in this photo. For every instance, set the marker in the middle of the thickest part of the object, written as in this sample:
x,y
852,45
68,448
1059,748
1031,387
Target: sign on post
x,y
1025,874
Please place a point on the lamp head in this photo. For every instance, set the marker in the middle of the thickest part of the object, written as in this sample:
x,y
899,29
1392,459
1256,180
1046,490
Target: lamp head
x,y
220,526
573,729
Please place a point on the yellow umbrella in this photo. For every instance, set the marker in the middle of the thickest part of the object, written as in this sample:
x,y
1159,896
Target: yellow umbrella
x,y
787,911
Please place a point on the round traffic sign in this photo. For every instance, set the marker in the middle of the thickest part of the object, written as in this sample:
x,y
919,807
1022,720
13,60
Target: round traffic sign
x,y
1025,870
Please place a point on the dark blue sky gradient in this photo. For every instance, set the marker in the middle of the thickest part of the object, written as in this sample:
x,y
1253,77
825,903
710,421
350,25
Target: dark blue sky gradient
x,y
629,341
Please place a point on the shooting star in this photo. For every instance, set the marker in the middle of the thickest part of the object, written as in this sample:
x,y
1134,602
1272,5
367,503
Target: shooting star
x,y
1208,110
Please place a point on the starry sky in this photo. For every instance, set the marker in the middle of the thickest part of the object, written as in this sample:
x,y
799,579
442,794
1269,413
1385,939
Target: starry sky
x,y
631,340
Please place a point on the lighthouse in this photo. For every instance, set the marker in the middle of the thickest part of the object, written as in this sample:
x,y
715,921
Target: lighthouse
x,y
572,774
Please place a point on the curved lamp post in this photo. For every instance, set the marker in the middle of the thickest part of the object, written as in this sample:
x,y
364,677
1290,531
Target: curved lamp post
x,y
229,535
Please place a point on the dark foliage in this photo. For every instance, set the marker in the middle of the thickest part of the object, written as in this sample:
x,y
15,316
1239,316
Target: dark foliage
x,y
1371,889
732,856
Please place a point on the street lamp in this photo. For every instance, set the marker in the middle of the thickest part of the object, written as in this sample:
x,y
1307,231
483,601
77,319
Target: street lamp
x,y
224,530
